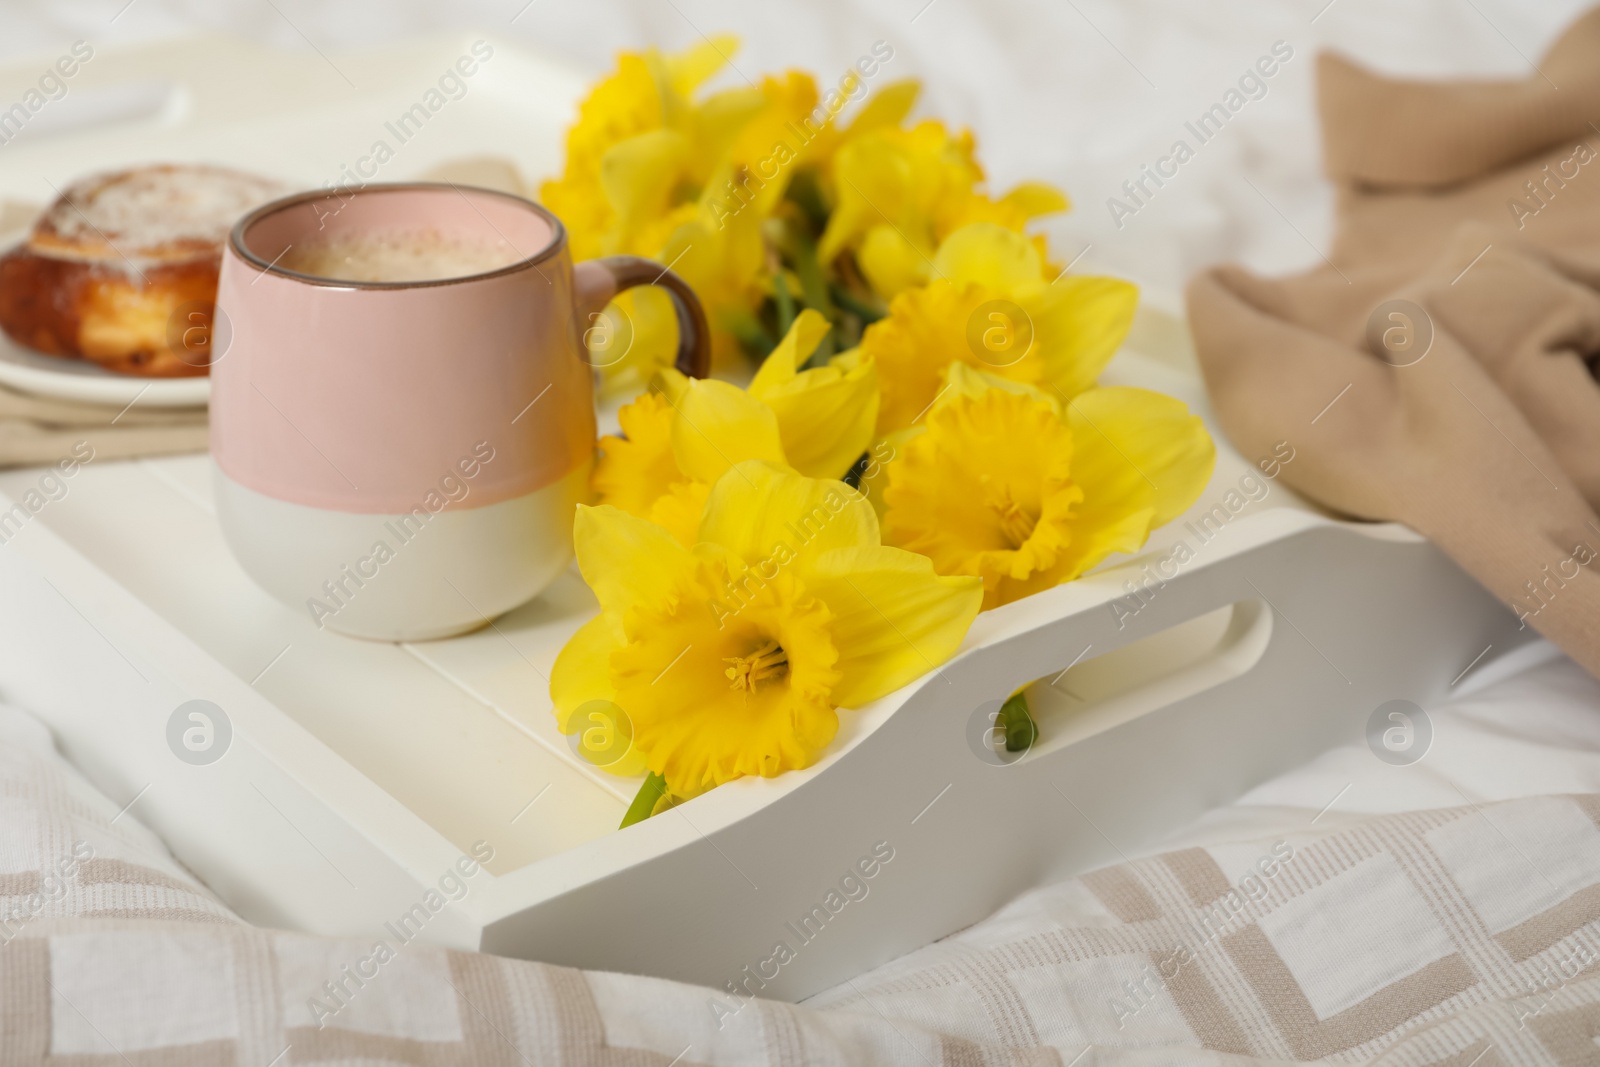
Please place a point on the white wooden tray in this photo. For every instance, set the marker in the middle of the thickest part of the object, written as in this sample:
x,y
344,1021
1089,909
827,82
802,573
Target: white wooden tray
x,y
358,773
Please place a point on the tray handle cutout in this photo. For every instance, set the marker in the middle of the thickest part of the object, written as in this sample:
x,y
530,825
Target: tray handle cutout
x,y
1154,672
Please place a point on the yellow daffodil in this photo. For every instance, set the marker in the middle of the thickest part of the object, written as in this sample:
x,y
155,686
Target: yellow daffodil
x,y
900,192
652,170
885,108
1004,485
678,441
992,307
639,121
730,658
715,241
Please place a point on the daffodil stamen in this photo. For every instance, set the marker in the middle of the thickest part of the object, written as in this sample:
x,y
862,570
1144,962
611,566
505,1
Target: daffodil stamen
x,y
1016,522
768,661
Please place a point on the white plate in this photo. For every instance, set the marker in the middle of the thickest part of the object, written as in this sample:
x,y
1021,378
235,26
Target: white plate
x,y
79,379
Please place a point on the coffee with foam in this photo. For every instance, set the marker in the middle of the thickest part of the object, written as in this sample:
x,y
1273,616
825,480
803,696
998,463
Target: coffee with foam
x,y
399,255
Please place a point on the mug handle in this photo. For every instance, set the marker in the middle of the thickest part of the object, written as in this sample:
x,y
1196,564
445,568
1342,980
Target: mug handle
x,y
598,281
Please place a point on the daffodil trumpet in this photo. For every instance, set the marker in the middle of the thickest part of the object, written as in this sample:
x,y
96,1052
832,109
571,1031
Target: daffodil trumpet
x,y
1005,482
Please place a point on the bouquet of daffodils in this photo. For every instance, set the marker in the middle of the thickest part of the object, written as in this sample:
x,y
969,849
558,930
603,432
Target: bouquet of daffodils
x,y
922,438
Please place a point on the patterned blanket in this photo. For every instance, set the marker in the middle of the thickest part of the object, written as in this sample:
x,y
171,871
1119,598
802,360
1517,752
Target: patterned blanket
x,y
1466,936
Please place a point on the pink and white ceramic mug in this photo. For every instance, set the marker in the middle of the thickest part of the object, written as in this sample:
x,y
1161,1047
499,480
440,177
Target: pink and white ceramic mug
x,y
401,459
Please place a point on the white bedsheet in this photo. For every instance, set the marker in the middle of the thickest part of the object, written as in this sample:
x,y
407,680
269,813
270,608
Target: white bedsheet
x,y
1077,92
1529,725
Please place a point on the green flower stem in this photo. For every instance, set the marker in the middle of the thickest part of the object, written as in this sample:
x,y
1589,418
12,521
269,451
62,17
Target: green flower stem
x,y
814,291
851,302
785,303
806,194
752,336
1021,731
813,287
644,803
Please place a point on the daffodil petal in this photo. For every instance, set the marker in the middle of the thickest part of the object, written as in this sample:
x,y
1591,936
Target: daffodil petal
x,y
631,174
965,380
672,383
634,337
762,159
718,425
723,260
781,366
1036,198
767,515
720,119
582,671
990,255
894,619
1084,319
890,262
626,560
869,172
689,68
678,511
633,470
1133,448
888,107
827,416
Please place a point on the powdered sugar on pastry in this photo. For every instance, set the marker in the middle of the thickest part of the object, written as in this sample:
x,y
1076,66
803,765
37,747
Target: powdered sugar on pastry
x,y
150,214
120,266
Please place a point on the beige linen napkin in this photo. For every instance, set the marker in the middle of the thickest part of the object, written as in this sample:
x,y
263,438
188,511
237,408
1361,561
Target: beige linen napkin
x,y
1469,410
38,430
